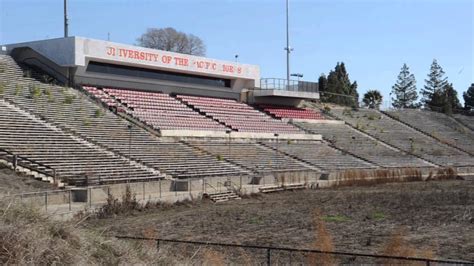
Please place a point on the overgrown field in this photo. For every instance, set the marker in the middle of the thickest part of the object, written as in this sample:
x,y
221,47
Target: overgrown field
x,y
428,219
424,219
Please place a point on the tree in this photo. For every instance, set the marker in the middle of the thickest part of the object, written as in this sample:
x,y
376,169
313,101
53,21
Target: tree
x,y
322,84
372,99
169,39
435,83
445,100
469,98
404,90
339,88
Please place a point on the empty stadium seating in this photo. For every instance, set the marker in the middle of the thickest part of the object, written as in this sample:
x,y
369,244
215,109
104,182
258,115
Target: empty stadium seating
x,y
158,110
320,155
251,156
438,125
403,137
291,112
346,138
35,140
238,116
467,121
77,114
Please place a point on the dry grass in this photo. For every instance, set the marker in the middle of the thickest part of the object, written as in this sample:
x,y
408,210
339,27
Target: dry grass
x,y
359,177
213,257
29,237
322,241
397,245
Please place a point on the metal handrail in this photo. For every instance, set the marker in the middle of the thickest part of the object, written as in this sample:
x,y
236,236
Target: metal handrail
x,y
15,163
288,85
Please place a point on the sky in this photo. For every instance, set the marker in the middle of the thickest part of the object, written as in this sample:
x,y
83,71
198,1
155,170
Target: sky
x,y
372,37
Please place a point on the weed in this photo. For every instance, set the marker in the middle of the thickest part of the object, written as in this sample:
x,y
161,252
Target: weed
x,y
98,113
378,215
35,92
68,99
335,218
18,89
219,157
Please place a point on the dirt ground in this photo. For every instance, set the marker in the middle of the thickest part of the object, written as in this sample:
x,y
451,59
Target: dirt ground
x,y
432,219
12,183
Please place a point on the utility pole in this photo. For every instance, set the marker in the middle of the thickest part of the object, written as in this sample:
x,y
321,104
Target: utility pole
x,y
65,20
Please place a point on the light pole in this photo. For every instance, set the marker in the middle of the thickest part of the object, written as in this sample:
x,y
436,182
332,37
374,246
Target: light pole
x,y
287,48
297,75
65,20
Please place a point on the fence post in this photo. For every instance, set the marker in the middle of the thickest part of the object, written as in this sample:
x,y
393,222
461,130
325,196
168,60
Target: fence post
x,y
15,162
158,245
90,198
160,188
46,201
69,200
143,191
269,257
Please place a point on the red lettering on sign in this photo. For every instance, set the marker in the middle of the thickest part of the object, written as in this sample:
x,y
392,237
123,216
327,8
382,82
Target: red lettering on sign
x,y
179,61
228,68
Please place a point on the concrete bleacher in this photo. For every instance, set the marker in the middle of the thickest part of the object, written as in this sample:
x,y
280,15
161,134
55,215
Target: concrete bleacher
x,y
251,156
439,126
467,121
72,159
238,116
290,112
320,154
84,118
346,138
403,137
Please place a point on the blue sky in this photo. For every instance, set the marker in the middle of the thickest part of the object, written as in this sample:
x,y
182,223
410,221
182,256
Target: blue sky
x,y
373,37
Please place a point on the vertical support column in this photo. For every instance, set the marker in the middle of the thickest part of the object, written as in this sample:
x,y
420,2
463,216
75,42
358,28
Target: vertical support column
x,y
269,258
46,201
70,199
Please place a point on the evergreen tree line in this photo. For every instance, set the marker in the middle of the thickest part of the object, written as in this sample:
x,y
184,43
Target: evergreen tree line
x,y
437,94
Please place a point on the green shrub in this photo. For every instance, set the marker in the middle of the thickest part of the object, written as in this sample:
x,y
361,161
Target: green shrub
x,y
2,88
219,157
98,113
68,99
35,92
18,89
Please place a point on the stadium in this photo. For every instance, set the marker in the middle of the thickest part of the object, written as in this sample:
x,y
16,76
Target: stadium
x,y
84,121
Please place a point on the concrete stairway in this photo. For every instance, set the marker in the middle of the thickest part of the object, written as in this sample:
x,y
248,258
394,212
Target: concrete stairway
x,y
222,196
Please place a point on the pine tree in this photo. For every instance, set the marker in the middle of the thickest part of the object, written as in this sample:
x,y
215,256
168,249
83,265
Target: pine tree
x,y
372,99
339,85
445,100
323,84
436,82
469,98
404,90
